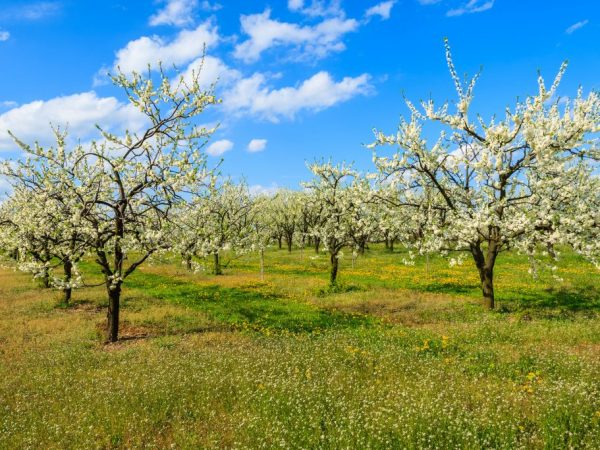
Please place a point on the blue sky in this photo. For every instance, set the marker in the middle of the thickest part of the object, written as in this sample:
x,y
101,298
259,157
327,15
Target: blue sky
x,y
299,79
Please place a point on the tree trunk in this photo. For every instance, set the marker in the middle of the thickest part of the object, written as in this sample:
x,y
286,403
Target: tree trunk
x,y
279,239
114,306
362,246
334,269
68,269
289,244
392,245
262,264
317,245
487,286
485,266
217,267
188,262
45,278
551,251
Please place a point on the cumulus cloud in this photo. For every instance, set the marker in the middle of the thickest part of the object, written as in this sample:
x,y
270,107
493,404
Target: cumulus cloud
x,y
217,148
253,96
317,8
186,46
4,35
259,189
257,145
211,70
576,26
31,11
80,112
471,7
383,10
175,12
315,41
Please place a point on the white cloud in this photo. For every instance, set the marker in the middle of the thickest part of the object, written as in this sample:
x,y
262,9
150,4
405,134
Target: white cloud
x,y
259,189
217,148
8,104
80,112
382,10
257,145
210,70
30,11
176,12
576,26
317,8
309,41
471,7
252,96
208,6
187,45
4,35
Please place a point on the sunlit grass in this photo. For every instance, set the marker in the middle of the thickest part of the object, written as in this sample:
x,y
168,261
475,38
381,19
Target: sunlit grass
x,y
400,357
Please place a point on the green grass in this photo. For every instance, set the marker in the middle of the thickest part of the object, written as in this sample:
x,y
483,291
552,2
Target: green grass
x,y
400,357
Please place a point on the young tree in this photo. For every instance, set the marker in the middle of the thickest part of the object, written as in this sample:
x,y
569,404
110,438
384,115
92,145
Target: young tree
x,y
48,202
286,215
127,186
224,218
140,177
261,226
487,181
335,190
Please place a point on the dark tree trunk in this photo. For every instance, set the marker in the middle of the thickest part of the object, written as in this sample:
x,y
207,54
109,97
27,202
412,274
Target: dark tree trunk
x,y
289,244
392,245
362,246
279,239
551,251
46,278
114,306
334,269
387,242
487,286
188,262
68,269
217,267
317,245
485,267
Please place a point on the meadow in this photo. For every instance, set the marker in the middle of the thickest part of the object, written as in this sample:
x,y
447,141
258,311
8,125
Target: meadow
x,y
396,357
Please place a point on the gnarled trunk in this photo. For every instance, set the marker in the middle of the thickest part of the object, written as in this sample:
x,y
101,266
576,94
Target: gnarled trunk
x,y
317,245
485,266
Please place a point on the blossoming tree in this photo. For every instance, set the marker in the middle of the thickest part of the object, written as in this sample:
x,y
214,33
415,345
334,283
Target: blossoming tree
x,y
489,181
336,189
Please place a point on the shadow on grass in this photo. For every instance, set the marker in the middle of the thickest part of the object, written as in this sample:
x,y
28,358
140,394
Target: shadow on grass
x,y
449,288
565,299
573,300
245,308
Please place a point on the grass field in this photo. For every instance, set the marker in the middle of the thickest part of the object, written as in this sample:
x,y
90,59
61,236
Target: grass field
x,y
401,357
